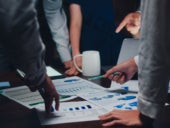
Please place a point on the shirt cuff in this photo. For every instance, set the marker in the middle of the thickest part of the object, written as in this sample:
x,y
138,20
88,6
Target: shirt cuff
x,y
136,59
148,108
65,54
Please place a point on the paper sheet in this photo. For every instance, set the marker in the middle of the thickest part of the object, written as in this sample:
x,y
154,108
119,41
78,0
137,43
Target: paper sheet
x,y
23,96
67,88
131,85
52,72
75,85
111,101
71,112
27,98
4,84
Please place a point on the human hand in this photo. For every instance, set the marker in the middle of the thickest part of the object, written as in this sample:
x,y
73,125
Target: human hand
x,y
121,117
132,23
125,71
49,93
68,64
71,69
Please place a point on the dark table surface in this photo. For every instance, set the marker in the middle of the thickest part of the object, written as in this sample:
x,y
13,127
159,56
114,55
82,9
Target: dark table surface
x,y
14,115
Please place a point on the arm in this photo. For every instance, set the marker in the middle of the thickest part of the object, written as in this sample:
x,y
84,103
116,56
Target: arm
x,y
57,22
75,28
21,40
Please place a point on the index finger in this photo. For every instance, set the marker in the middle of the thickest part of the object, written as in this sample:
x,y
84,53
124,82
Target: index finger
x,y
57,101
122,24
105,116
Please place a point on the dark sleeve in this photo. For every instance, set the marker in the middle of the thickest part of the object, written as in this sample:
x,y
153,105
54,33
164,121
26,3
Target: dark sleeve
x,y
154,62
22,40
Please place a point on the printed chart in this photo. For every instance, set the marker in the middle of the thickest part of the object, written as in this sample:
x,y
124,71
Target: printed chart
x,y
71,112
76,85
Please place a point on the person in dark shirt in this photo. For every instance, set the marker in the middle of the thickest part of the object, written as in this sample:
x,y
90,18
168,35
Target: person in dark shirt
x,y
92,27
23,47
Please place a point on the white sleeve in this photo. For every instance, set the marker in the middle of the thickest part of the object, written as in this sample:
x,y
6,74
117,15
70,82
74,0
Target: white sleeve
x,y
136,58
57,22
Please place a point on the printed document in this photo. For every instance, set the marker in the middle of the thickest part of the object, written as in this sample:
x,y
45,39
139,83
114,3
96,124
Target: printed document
x,y
71,112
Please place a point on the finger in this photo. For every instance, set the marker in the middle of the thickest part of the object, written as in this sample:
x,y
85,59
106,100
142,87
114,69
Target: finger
x,y
115,122
57,102
121,79
48,104
117,77
107,115
114,76
133,29
76,73
109,72
110,77
121,25
67,72
106,118
71,71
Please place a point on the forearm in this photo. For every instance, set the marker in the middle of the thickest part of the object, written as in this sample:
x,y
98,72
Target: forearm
x,y
75,40
75,28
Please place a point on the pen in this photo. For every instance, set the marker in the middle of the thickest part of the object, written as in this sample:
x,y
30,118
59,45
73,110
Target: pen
x,y
101,76
71,80
115,73
96,77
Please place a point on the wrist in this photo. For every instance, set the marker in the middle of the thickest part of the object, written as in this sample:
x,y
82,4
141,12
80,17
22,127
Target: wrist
x,y
39,86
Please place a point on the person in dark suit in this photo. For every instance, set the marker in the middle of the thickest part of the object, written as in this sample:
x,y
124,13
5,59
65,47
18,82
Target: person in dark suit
x,y
23,48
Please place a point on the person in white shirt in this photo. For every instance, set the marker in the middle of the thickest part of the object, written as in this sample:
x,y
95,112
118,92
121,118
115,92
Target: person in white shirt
x,y
57,22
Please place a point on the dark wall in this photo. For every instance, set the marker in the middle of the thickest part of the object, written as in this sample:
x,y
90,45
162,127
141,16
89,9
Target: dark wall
x,y
123,7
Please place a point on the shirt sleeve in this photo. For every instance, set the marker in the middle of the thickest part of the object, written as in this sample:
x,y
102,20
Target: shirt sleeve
x,y
22,41
136,59
57,22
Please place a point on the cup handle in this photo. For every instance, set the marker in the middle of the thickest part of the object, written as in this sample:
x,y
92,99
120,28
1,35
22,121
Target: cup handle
x,y
75,64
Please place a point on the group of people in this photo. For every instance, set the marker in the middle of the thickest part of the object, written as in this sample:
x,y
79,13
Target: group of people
x,y
92,27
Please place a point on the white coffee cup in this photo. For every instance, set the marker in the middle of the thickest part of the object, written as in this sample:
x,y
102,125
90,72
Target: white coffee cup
x,y
90,63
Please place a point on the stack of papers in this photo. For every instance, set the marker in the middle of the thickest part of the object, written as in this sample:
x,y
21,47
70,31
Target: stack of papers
x,y
98,100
